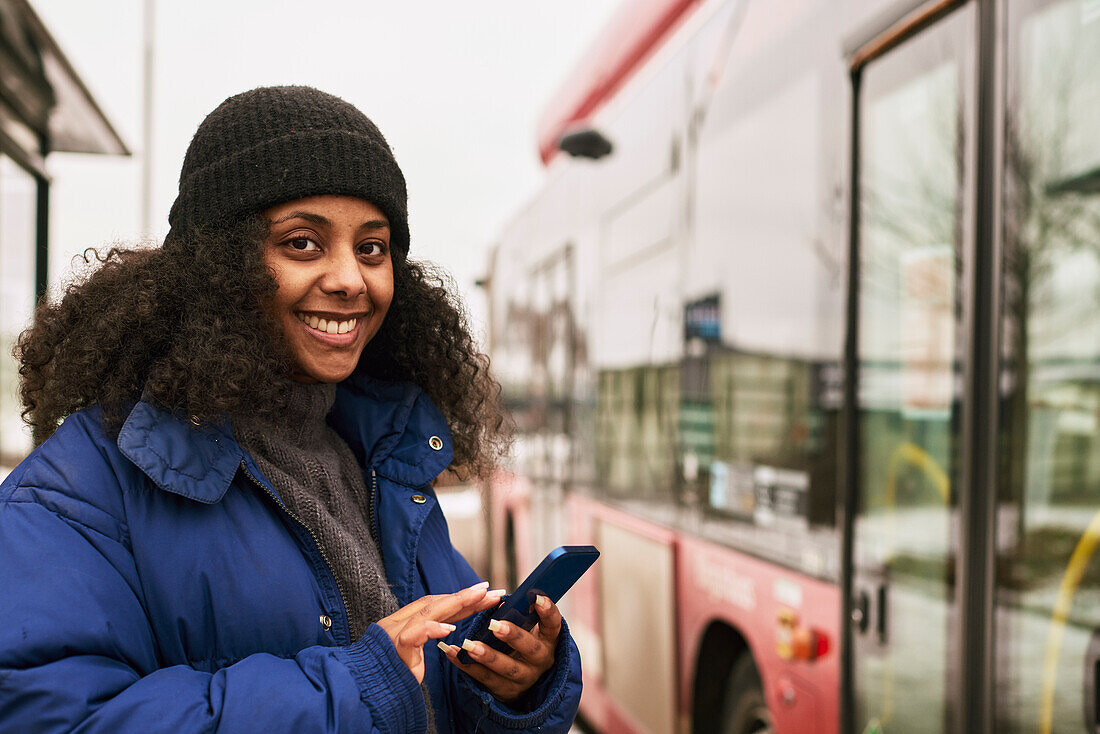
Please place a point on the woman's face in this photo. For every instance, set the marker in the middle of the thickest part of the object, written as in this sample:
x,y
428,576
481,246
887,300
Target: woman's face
x,y
331,259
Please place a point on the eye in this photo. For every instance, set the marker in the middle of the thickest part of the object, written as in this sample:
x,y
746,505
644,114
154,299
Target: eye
x,y
303,244
371,249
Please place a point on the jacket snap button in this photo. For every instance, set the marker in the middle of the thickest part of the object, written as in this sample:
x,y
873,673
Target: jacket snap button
x,y
419,499
326,622
436,443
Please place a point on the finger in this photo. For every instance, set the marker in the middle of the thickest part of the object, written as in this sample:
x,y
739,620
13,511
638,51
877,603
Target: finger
x,y
517,671
416,607
498,685
417,633
459,605
464,604
410,610
530,647
549,619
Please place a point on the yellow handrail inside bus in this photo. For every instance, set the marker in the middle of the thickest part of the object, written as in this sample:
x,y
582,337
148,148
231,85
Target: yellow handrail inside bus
x,y
1071,579
908,452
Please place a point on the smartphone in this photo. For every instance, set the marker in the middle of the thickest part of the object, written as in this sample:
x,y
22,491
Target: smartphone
x,y
552,578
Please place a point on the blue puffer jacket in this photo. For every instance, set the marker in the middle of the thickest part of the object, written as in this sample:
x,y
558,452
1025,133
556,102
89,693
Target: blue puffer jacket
x,y
156,583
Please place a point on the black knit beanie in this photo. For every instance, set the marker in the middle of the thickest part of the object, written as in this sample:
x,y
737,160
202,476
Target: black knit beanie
x,y
277,144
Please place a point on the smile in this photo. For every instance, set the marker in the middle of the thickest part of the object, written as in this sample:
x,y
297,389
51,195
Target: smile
x,y
327,326
337,333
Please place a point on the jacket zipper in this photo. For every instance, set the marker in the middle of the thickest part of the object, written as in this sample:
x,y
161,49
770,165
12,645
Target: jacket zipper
x,y
316,541
371,519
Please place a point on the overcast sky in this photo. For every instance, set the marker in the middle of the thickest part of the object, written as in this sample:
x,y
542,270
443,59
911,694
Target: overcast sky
x,y
455,87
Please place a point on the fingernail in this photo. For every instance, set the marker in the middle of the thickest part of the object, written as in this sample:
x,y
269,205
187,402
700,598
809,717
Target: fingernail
x,y
494,625
542,602
443,646
482,585
448,627
469,646
495,592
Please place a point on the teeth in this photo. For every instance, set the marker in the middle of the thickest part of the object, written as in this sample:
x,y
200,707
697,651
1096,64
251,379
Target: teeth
x,y
329,327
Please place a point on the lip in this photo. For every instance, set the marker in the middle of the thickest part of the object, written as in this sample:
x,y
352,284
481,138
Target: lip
x,y
335,340
336,315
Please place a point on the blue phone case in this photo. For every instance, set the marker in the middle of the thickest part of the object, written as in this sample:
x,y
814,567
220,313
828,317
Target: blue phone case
x,y
552,578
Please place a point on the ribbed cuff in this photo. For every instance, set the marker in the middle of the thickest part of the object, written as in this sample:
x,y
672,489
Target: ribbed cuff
x,y
543,698
386,685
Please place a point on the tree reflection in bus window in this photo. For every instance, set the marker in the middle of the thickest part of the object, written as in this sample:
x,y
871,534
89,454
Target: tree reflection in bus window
x,y
636,431
1048,578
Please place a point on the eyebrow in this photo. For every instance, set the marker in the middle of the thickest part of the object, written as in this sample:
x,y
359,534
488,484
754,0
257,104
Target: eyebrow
x,y
324,221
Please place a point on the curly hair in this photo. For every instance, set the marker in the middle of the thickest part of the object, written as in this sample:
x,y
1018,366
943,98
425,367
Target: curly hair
x,y
186,325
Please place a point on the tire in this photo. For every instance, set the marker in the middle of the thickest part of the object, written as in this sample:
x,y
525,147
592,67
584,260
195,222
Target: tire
x,y
744,710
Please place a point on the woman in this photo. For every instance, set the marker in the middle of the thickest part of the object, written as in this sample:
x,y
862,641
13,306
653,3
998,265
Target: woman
x,y
233,529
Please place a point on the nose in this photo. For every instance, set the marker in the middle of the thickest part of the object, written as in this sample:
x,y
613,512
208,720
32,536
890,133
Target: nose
x,y
343,276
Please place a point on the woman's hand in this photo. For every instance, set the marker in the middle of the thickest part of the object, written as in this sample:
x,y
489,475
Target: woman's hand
x,y
509,676
430,618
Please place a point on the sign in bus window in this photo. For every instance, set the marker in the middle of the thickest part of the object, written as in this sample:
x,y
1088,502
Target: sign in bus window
x,y
927,329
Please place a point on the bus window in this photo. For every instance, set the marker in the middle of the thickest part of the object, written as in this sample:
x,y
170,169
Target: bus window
x,y
536,358
760,383
914,177
636,431
1048,575
762,426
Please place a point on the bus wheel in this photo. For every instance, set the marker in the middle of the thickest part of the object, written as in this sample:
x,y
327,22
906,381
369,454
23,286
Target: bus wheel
x,y
745,710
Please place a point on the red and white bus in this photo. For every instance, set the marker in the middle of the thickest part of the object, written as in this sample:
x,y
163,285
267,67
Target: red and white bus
x,y
803,331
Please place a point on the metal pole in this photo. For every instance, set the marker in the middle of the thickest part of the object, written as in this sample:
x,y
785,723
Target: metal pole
x,y
41,238
847,498
976,560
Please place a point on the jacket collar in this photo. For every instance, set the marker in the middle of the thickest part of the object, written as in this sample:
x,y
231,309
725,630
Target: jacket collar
x,y
392,427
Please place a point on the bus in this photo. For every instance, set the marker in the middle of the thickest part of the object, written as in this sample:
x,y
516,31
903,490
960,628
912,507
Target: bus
x,y
802,330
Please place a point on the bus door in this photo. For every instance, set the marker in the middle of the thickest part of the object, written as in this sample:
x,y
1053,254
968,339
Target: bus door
x,y
912,224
